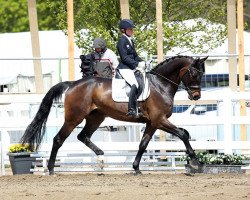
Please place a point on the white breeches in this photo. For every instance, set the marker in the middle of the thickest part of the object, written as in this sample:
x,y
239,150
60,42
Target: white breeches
x,y
129,76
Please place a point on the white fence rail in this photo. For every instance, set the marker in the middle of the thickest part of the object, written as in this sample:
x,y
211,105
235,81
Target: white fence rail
x,y
17,122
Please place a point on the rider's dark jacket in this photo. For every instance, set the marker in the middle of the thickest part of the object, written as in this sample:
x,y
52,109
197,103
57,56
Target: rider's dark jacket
x,y
129,57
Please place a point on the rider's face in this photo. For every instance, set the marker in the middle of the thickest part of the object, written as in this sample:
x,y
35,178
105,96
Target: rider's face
x,y
129,32
98,50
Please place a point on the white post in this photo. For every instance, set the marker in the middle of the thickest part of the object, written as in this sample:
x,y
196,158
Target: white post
x,y
2,155
228,136
5,143
130,130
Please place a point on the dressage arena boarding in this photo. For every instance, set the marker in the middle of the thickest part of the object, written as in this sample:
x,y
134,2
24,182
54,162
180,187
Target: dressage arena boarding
x,y
213,123
94,183
120,140
207,121
161,164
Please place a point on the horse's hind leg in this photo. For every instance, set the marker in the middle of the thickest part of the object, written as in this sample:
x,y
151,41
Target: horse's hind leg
x,y
93,121
58,140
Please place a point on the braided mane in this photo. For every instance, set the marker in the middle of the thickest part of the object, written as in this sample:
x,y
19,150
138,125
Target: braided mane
x,y
167,60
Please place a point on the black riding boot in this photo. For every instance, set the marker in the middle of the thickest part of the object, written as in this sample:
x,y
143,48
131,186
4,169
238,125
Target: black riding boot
x,y
132,104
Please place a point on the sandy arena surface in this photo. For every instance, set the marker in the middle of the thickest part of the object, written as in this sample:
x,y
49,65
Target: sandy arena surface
x,y
124,185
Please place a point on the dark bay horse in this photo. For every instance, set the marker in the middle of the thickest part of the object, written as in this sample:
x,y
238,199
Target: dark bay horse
x,y
90,99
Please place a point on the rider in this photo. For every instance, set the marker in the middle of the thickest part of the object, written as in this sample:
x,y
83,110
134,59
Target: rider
x,y
130,62
104,54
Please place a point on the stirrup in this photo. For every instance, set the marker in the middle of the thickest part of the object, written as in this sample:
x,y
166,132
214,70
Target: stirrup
x,y
132,113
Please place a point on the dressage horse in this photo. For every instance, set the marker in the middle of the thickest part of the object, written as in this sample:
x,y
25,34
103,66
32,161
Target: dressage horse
x,y
90,98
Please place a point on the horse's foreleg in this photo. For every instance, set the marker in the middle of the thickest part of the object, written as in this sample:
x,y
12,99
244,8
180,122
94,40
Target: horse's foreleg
x,y
149,131
93,121
57,143
184,136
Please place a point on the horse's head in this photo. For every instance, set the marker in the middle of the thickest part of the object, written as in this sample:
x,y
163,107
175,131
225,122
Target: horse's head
x,y
191,75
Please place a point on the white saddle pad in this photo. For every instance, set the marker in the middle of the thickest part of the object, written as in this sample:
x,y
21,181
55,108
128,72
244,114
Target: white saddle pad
x,y
120,91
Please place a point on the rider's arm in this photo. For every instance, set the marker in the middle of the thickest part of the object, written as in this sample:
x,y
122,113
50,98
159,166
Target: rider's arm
x,y
113,58
126,53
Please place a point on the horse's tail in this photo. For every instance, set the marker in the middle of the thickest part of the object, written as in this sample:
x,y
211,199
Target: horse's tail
x,y
34,133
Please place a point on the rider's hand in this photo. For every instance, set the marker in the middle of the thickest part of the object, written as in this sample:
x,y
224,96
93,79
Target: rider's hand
x,y
141,66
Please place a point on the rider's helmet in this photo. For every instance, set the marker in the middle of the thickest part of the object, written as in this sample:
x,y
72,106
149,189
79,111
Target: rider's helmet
x,y
99,44
126,23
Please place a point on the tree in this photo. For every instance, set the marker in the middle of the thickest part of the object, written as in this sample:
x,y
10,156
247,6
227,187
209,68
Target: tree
x,y
198,35
14,16
100,18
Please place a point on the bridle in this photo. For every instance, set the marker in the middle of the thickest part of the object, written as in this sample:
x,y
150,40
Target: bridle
x,y
182,73
187,70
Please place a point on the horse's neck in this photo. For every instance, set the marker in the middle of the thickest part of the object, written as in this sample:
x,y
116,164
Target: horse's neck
x,y
168,73
166,79
163,86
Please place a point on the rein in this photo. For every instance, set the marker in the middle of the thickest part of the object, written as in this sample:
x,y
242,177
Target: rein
x,y
170,81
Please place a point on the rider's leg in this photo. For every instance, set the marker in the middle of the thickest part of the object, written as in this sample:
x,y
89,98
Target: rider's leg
x,y
132,104
129,77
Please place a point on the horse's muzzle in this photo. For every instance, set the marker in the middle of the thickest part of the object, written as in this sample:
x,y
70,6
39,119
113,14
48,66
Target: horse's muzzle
x,y
194,95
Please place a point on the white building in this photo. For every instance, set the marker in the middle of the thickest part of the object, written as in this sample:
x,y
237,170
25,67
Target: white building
x,y
16,59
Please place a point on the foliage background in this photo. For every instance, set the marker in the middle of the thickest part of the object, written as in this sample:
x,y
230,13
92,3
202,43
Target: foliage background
x,y
218,159
101,18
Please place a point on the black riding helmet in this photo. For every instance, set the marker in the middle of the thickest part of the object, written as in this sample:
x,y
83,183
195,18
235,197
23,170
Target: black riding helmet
x,y
126,23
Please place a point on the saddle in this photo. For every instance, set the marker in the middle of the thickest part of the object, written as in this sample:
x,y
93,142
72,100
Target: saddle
x,y
121,89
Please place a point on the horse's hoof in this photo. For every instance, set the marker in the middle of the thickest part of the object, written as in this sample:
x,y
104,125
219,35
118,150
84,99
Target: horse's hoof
x,y
51,173
195,164
189,174
100,161
137,173
99,152
194,168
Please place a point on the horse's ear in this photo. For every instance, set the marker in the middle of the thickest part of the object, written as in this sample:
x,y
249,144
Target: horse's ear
x,y
202,63
203,59
196,61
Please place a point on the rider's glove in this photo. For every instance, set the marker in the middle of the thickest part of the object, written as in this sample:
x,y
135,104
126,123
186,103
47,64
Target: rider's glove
x,y
141,66
148,64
